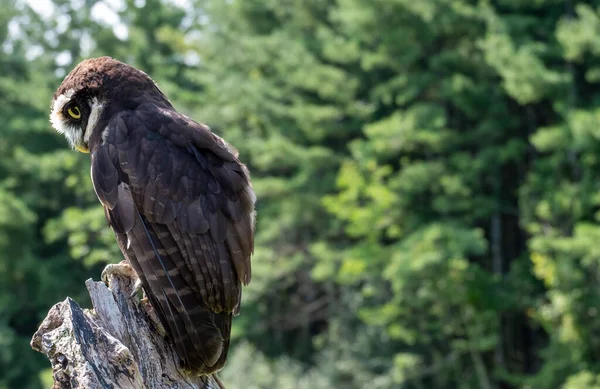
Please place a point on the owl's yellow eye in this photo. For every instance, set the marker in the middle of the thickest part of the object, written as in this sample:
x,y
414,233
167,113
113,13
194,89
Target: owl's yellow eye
x,y
74,112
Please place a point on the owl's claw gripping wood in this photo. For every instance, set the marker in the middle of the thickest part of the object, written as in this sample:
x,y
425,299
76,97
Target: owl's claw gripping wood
x,y
137,287
122,269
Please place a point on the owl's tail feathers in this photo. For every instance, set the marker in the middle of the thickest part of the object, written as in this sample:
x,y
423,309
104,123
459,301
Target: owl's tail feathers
x,y
199,342
200,336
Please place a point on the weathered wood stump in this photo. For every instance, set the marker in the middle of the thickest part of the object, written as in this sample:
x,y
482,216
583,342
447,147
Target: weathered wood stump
x,y
118,344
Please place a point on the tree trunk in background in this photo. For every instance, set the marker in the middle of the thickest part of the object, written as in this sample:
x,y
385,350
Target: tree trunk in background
x,y
498,268
117,344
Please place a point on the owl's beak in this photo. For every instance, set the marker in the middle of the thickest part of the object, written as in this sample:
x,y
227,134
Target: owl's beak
x,y
82,148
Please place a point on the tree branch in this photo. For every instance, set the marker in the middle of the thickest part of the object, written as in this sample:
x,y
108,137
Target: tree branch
x,y
118,344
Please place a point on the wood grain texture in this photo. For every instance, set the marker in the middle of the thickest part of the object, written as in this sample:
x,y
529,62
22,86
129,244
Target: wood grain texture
x,y
118,344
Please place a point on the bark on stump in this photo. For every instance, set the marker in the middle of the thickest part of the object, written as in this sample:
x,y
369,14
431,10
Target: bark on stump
x,y
115,345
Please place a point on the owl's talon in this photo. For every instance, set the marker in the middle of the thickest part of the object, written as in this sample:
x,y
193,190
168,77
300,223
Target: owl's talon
x,y
122,269
137,286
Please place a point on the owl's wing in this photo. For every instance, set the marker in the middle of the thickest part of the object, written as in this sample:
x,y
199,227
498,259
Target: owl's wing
x,y
184,202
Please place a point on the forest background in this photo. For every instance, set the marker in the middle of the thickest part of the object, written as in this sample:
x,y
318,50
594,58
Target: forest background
x,y
427,174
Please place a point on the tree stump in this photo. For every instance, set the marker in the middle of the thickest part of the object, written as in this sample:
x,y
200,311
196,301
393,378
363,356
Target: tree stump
x,y
118,344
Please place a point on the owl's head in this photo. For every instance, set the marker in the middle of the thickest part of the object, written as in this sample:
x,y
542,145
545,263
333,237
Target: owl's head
x,y
92,93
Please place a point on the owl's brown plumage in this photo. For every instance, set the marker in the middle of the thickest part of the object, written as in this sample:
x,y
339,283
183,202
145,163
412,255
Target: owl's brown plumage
x,y
179,201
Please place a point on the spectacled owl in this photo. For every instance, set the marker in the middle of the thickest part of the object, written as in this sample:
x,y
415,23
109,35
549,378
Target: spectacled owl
x,y
177,197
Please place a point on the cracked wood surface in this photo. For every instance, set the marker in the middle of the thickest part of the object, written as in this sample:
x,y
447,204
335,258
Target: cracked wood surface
x,y
118,344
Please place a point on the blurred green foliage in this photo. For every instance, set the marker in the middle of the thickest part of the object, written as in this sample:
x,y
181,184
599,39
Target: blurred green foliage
x,y
427,174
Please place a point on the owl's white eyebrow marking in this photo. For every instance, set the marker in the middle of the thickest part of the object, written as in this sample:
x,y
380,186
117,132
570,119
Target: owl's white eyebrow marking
x,y
96,107
56,116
